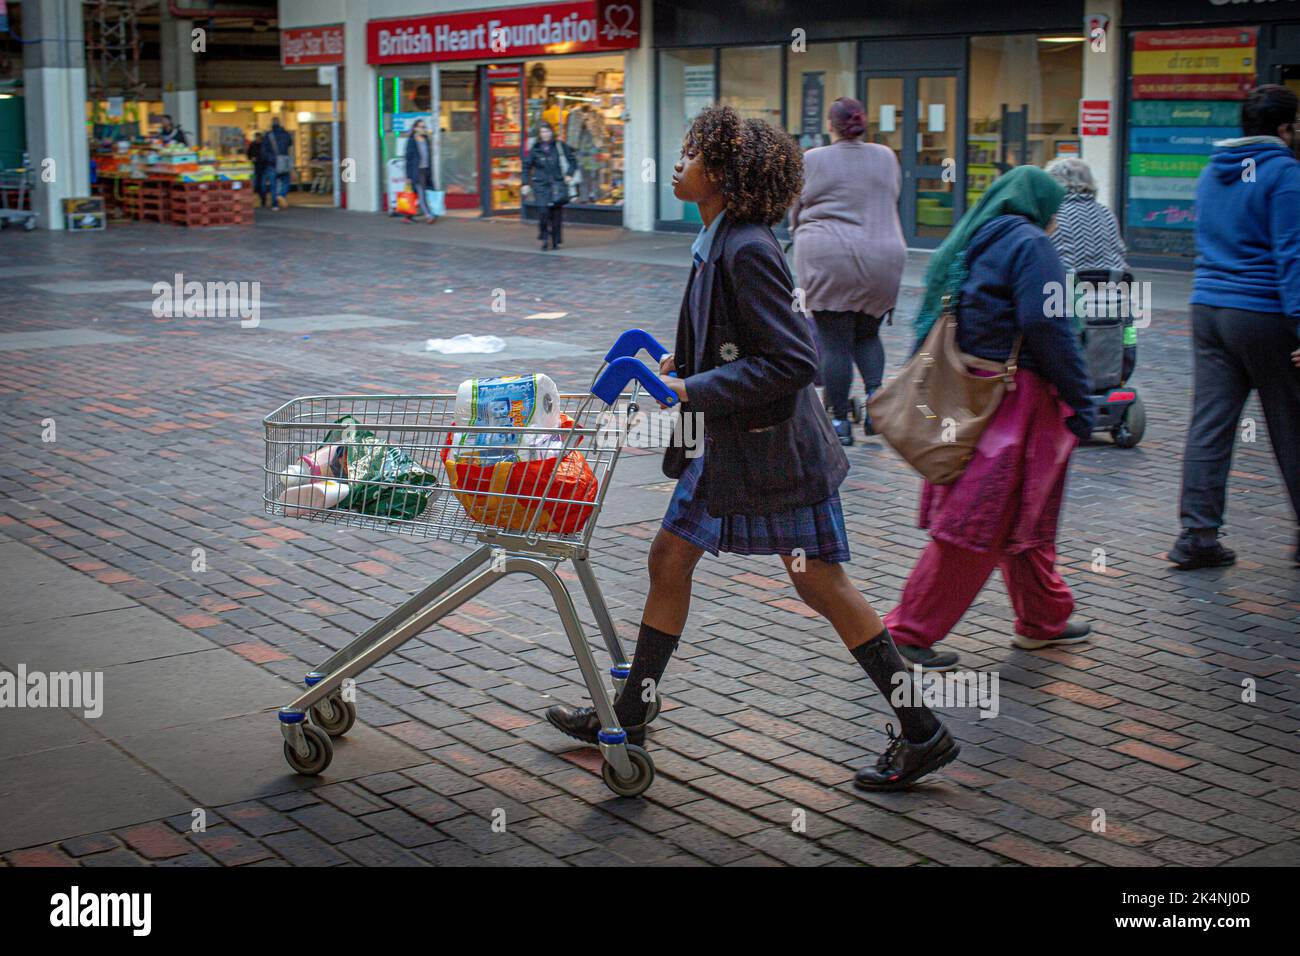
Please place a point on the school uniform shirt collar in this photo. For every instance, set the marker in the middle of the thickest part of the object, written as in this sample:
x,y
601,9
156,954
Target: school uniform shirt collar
x,y
704,241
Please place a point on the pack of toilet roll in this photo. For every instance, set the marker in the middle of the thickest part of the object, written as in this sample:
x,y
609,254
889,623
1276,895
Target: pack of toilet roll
x,y
511,401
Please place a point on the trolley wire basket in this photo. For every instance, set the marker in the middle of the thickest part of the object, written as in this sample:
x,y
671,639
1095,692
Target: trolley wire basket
x,y
529,496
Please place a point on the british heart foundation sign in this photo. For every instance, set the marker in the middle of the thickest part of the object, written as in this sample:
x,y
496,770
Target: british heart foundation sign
x,y
583,26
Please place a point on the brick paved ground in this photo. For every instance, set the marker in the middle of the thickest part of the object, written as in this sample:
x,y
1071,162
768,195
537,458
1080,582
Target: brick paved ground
x,y
159,450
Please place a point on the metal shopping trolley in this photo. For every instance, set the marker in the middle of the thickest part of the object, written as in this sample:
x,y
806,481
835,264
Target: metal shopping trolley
x,y
528,529
15,198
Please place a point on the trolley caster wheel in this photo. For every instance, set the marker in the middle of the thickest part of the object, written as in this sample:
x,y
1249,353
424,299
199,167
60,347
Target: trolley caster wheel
x,y
322,752
643,773
344,715
1132,426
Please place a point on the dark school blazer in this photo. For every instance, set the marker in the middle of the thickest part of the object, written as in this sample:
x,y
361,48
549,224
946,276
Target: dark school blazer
x,y
749,364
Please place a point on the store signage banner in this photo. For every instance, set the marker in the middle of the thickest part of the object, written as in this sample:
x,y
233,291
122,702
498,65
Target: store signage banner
x,y
1178,166
1196,140
585,26
1184,113
1162,214
814,93
1162,187
312,46
1203,64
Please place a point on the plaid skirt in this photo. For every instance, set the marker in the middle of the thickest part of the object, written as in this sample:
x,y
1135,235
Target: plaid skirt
x,y
817,529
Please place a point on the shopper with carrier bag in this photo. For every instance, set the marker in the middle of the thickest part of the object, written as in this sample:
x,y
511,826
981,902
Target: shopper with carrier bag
x,y
988,410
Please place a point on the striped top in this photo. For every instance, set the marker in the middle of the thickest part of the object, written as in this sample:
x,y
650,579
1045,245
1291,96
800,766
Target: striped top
x,y
1087,236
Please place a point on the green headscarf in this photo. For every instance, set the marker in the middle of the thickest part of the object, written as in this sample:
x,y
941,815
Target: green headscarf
x,y
1024,191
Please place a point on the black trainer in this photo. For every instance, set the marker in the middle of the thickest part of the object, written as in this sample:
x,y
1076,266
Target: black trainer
x,y
1188,553
581,723
903,762
1075,633
843,430
927,658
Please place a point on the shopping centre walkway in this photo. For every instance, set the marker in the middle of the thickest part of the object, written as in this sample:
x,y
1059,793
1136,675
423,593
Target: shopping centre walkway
x,y
134,544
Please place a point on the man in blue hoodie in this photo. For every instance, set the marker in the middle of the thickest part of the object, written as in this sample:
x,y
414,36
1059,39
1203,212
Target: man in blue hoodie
x,y
1245,315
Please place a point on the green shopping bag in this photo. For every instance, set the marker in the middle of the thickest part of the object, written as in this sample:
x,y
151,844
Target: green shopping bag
x,y
385,481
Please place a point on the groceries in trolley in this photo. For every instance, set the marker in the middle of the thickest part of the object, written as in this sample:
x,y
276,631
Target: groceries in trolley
x,y
514,479
510,402
355,471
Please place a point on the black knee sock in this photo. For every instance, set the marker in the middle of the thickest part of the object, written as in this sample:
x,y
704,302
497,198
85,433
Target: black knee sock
x,y
881,660
654,649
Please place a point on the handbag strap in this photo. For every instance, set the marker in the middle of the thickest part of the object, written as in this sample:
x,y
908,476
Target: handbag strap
x,y
948,312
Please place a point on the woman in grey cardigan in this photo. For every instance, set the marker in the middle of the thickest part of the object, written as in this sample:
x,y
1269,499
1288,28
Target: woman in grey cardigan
x,y
849,254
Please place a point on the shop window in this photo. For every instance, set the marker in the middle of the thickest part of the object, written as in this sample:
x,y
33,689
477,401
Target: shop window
x,y
816,78
1023,104
686,85
458,130
582,99
750,82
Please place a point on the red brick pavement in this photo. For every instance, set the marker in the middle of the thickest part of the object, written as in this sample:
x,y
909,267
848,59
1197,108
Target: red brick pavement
x,y
159,451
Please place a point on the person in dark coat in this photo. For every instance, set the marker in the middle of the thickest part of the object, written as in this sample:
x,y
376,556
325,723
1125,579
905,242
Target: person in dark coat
x,y
419,168
767,481
548,170
262,169
277,155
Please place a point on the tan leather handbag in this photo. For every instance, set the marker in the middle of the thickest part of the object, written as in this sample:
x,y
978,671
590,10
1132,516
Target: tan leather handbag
x,y
935,409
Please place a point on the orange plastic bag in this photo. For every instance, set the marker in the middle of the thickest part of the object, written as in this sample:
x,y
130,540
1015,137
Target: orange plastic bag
x,y
408,204
483,489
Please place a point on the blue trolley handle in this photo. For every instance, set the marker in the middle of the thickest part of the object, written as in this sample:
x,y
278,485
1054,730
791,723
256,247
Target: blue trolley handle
x,y
621,366
610,383
633,341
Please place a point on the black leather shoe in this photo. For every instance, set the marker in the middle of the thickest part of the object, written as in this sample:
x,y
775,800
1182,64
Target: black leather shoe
x,y
1188,553
929,660
581,723
903,762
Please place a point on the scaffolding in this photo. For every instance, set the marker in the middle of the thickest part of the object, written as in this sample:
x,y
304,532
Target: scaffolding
x,y
113,51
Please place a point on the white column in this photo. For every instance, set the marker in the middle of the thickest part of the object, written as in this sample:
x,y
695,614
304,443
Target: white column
x,y
1103,79
362,140
638,134
179,87
54,84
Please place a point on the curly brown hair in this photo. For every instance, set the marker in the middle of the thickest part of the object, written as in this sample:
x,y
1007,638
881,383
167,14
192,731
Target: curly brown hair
x,y
758,166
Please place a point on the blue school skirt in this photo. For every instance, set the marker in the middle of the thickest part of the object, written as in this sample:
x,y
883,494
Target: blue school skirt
x,y
817,529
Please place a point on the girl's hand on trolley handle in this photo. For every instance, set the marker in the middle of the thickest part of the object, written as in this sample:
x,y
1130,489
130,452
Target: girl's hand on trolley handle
x,y
676,385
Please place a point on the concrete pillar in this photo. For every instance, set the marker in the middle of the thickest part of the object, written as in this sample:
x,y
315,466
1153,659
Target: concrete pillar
x,y
638,142
179,88
362,134
1103,79
54,88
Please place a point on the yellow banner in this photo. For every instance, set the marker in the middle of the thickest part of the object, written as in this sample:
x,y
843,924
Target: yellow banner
x,y
1194,62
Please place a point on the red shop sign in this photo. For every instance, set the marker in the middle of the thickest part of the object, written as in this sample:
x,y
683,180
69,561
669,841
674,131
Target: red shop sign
x,y
312,46
581,26
1094,117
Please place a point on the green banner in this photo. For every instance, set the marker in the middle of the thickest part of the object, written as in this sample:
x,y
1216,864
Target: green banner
x,y
1184,113
1162,164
